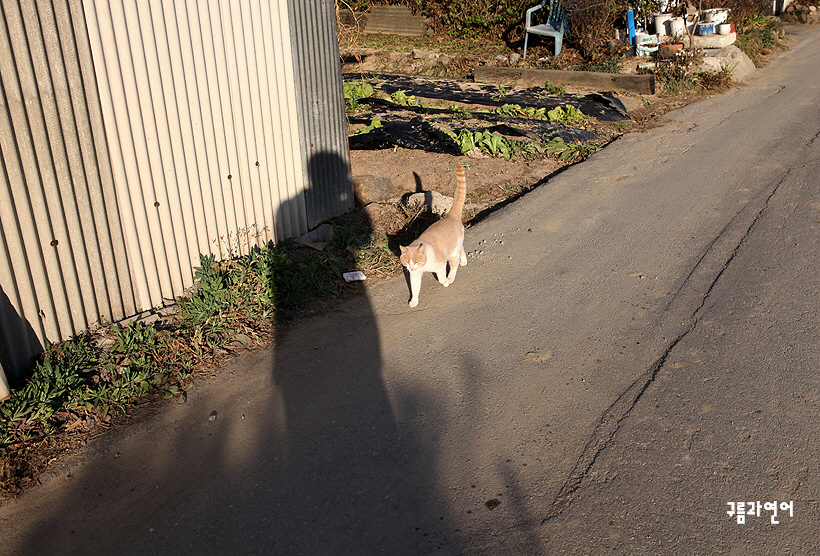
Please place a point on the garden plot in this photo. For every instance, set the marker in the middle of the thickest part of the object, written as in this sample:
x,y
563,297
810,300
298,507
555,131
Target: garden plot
x,y
457,117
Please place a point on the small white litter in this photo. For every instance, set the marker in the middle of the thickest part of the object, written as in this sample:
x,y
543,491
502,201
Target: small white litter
x,y
354,276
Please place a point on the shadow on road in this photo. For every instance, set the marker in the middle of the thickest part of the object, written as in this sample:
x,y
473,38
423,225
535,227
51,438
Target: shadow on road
x,y
294,450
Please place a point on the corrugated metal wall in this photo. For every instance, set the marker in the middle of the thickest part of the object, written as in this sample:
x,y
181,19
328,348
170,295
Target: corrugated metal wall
x,y
199,102
323,125
138,134
63,264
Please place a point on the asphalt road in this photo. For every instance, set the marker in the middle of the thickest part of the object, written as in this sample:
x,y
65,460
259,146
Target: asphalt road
x,y
631,346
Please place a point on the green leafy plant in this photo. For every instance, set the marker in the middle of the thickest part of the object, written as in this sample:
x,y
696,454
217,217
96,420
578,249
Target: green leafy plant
x,y
568,152
502,92
465,139
212,294
355,91
374,124
526,149
134,337
756,20
567,114
555,90
495,144
516,111
400,97
459,112
343,238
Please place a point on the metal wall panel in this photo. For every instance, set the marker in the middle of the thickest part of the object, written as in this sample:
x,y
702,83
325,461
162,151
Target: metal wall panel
x,y
137,134
322,120
199,105
63,262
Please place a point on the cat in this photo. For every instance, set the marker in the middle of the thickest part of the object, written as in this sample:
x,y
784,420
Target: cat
x,y
440,245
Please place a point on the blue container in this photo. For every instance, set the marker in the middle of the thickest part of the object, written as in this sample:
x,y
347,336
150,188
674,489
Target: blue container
x,y
706,28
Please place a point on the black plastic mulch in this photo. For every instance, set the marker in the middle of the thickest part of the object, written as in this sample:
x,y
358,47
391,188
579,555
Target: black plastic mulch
x,y
417,133
537,129
603,106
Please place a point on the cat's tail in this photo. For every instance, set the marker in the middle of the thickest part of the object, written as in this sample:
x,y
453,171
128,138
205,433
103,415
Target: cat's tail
x,y
461,193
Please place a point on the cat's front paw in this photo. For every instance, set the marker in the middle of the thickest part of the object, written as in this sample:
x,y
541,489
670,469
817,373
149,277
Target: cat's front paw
x,y
413,302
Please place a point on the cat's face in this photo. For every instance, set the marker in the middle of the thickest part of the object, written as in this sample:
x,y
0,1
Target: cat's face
x,y
413,258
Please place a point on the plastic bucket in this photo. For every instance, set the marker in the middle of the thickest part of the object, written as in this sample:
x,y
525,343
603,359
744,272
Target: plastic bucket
x,y
660,23
716,15
676,27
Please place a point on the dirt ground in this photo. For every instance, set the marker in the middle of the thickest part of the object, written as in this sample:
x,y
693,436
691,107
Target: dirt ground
x,y
491,180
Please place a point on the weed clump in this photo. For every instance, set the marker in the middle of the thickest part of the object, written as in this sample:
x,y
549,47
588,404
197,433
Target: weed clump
x,y
85,385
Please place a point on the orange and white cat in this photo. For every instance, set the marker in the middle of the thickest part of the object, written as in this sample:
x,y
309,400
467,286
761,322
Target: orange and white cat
x,y
440,245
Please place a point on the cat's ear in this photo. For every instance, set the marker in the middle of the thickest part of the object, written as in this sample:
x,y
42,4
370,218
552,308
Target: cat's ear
x,y
403,248
422,249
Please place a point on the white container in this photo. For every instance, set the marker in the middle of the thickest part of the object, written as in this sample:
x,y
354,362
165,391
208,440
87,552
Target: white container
x,y
716,15
660,23
724,29
354,276
677,28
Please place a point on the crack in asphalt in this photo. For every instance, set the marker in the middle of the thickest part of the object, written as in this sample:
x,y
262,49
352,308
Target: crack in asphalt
x,y
813,139
732,236
604,432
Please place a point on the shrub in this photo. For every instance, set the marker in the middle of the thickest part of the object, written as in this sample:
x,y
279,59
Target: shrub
x,y
592,23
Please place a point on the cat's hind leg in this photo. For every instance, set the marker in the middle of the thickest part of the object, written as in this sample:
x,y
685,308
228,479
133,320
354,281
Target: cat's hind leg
x,y
441,275
454,262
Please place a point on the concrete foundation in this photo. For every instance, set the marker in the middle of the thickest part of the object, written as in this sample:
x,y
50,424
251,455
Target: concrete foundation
x,y
705,41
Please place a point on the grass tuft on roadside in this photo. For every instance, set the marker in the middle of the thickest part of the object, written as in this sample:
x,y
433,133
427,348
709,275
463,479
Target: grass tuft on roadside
x,y
83,386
